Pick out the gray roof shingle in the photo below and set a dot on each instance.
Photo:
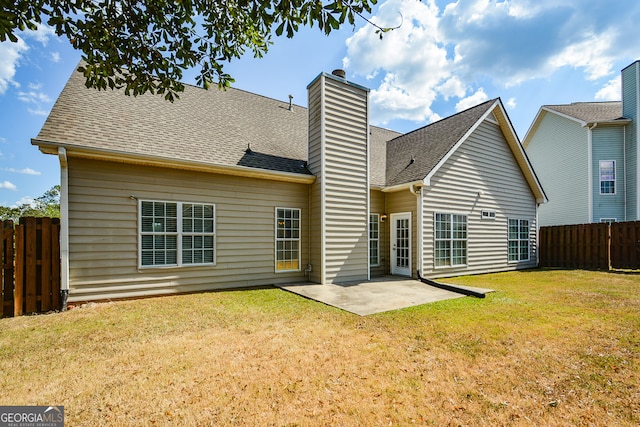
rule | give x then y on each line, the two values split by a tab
209	127
591	112
412	156
233	128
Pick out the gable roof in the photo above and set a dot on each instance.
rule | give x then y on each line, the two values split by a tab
232	129
241	133
590	112
411	157
583	113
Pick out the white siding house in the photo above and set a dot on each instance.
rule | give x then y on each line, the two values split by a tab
586	156
231	189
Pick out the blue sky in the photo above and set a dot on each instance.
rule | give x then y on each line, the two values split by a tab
446	56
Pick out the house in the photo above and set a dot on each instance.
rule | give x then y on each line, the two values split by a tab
228	189
586	157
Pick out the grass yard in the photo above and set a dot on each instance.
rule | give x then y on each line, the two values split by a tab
552	348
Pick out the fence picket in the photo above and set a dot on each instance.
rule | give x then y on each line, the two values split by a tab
7	272
591	246
30	254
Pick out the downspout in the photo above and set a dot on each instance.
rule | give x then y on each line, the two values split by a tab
64	228
417	191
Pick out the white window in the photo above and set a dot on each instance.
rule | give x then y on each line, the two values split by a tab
287	239
450	239
518	240
374	240
176	233
607	177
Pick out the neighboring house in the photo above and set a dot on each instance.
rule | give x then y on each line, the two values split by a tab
586	157
225	189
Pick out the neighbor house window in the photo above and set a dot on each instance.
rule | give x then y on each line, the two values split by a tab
607	177
374	240
287	239
450	239
518	240
176	233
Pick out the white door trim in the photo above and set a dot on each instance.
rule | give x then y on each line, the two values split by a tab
401	261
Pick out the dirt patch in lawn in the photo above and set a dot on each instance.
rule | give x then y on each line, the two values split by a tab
550	348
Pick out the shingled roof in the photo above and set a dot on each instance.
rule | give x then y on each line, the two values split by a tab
412	156
205	127
231	128
591	112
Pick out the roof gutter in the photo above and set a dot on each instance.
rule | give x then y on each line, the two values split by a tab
404	186
48	147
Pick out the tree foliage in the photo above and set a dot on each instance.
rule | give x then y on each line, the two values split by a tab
47	205
145	45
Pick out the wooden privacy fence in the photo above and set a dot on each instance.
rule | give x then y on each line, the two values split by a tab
30	281
598	246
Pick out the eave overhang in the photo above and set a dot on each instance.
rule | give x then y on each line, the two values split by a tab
49	147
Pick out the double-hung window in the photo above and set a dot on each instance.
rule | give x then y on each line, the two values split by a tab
518	240
287	239
450	239
374	240
607	177
176	234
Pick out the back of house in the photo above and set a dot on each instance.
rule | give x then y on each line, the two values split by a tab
228	189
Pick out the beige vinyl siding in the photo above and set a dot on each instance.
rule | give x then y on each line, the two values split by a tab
338	137
377	206
315	166
401	202
559	153
103	233
482	164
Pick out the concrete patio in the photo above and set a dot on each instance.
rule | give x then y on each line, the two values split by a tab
377	295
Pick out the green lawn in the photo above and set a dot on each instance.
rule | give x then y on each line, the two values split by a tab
553	348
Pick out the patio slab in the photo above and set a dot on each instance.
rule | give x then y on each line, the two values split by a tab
375	296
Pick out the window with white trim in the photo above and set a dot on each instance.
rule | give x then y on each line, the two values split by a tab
518	240
176	234
287	239
607	177
374	240
450	240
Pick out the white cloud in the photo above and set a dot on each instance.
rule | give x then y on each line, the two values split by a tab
38	111
33	97
11	53
472	100
3	139
443	53
9	56
55	57
42	33
511	103
8	185
25	200
612	91
26	171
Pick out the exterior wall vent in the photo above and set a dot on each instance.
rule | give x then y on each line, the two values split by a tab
488	214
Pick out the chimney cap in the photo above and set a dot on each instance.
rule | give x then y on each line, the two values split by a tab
339	73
